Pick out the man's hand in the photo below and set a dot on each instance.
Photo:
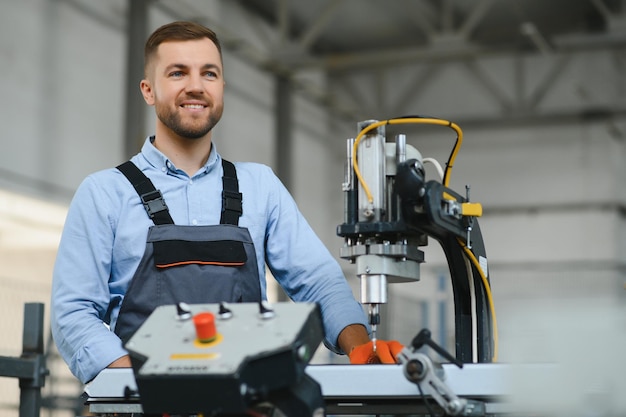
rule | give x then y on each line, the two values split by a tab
355	341
386	352
352	336
122	362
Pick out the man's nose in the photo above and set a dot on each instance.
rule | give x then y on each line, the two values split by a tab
194	83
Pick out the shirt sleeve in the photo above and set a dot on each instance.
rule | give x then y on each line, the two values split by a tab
305	269
80	299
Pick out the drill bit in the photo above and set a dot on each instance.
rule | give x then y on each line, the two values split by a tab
374	319
374	337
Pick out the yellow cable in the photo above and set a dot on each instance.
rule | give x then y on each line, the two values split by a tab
492	309
414	120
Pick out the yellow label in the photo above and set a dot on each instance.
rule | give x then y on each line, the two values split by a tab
194	356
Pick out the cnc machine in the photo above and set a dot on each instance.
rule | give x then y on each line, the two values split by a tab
391	210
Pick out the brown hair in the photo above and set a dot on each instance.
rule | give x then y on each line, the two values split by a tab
177	31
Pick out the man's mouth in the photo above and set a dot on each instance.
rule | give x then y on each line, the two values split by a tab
193	106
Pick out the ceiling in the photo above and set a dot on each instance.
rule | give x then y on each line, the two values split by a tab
343	37
342	34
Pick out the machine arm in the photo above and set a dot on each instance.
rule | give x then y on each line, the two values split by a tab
433	209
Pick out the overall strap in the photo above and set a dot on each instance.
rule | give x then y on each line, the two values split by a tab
151	198
231	197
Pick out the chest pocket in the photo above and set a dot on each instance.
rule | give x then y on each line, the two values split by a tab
172	253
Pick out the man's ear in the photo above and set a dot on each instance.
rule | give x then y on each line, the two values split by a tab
147	92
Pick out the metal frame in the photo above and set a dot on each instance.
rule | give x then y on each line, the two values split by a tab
352	390
30	367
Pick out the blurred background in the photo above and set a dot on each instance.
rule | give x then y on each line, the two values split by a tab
538	87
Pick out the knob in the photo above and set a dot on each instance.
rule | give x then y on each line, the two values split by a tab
265	311
183	310
205	327
224	312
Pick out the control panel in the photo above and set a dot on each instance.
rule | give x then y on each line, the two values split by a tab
227	358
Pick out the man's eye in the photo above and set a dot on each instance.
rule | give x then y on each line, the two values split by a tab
210	74
176	74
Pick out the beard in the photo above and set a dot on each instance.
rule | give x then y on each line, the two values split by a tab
192	129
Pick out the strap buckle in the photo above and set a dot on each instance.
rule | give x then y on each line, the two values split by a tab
153	202
232	201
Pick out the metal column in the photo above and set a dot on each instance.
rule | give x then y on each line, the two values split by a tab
284	129
284	139
134	106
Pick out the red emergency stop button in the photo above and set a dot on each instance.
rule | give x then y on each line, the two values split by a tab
205	327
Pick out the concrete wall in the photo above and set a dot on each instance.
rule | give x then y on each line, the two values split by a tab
62	95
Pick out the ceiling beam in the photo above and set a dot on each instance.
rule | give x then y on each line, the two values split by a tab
548	81
529	30
318	24
547	118
420	15
447	16
284	29
355	92
489	85
475	17
420	81
602	9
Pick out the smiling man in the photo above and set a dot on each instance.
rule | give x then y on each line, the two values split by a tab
179	223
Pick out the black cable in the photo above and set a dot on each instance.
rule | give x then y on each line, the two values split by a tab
426	403
448	166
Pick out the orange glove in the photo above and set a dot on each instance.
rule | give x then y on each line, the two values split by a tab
386	352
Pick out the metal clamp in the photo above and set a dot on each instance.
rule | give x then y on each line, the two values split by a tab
419	369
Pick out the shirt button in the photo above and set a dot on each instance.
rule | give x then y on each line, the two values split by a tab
164	169
194	222
190	182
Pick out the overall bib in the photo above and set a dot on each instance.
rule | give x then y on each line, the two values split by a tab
191	264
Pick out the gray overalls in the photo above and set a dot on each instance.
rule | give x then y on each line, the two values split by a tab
191	264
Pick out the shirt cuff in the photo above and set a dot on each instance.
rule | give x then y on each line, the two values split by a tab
94	357
334	324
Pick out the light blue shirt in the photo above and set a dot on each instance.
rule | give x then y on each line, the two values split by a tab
104	239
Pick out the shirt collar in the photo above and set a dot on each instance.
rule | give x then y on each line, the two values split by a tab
158	160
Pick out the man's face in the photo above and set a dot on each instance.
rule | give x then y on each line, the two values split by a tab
185	84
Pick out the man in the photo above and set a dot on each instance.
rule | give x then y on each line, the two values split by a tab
121	255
